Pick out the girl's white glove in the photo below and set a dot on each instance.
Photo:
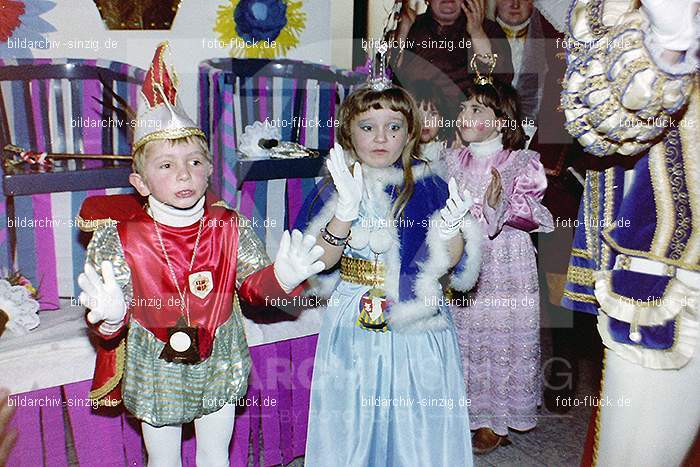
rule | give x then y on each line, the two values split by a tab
103	296
672	23
297	259
456	208
349	186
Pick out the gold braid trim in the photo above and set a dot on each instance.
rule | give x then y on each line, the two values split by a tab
579	275
602	112
647	255
580	297
594	17
609	175
596	436
168	133
580	253
98	394
222	204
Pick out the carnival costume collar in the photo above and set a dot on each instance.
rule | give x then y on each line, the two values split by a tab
174	217
392	175
514	32
485	148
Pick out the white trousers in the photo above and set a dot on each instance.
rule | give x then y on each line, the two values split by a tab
653	415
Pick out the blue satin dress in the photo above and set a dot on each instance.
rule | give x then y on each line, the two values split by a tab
385	398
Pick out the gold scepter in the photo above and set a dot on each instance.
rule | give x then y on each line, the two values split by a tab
34	158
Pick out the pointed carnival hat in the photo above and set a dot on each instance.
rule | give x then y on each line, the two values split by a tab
160	113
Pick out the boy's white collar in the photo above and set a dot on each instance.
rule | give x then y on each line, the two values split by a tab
175	217
485	148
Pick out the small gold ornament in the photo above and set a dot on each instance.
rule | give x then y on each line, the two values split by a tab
490	59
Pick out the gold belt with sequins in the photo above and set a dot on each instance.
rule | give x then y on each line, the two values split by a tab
362	271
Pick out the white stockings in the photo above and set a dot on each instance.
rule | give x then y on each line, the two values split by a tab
213	434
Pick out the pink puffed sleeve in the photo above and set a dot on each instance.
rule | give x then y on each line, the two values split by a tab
522	208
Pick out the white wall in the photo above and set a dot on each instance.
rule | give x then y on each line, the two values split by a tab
324	40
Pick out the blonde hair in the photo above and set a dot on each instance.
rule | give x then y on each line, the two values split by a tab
398	100
140	155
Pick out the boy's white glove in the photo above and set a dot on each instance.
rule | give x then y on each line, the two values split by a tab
103	296
349	186
297	259
672	25
456	208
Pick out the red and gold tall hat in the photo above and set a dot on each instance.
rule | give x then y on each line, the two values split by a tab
160	114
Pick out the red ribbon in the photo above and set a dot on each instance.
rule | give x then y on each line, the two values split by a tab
35	158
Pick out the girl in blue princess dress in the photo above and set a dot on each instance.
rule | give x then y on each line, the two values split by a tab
387	385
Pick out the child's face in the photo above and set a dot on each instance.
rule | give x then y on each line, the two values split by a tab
175	174
379	136
477	122
430	119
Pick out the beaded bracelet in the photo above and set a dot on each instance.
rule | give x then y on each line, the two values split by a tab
332	239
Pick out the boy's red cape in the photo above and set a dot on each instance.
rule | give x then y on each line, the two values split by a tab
97	211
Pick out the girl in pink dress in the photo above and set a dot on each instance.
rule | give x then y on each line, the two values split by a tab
498	321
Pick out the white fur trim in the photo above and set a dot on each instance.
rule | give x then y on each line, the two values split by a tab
473	238
359	239
421	313
323	217
392	175
392	257
677	297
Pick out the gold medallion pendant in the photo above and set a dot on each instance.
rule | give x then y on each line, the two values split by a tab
373	304
182	345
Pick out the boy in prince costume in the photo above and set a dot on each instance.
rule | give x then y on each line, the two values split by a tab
188	358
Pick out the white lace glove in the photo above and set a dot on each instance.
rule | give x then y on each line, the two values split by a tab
671	24
456	208
349	186
103	296
297	259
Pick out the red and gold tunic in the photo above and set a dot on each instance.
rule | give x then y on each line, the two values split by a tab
229	255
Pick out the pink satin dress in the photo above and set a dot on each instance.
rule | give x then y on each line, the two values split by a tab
497	323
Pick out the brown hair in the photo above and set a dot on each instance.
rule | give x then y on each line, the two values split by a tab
425	91
141	153
503	99
398	100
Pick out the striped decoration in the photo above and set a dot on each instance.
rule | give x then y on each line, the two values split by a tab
290	102
44	114
277	402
